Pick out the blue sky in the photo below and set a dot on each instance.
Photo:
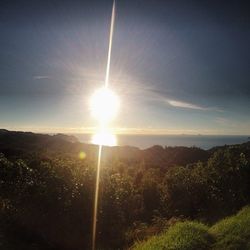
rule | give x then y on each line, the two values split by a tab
178	66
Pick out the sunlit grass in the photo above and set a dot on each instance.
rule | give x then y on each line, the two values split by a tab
181	236
232	233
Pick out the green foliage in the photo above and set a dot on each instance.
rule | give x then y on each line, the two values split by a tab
233	233
47	192
37	200
209	190
150	188
228	180
116	208
142	231
186	191
182	236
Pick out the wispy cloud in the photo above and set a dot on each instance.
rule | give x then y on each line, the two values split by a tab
180	104
41	77
166	97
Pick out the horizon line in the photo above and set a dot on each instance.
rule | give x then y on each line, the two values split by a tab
121	131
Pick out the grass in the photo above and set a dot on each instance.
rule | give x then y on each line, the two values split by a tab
232	233
186	235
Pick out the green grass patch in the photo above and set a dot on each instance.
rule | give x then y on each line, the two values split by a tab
186	235
232	233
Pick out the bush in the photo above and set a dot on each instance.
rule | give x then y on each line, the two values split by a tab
181	236
233	233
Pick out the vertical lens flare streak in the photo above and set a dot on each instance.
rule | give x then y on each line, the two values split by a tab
100	145
110	45
96	195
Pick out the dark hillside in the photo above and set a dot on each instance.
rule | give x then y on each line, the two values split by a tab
47	191
14	143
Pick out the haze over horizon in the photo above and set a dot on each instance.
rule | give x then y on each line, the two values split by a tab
178	67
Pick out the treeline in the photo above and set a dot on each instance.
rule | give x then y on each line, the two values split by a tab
46	201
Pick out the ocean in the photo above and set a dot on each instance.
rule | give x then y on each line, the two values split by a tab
146	141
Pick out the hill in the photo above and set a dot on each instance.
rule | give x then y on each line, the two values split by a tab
13	143
232	233
47	192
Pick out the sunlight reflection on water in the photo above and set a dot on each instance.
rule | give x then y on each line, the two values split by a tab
104	138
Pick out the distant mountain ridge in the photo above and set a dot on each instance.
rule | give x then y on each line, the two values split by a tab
16	143
2	131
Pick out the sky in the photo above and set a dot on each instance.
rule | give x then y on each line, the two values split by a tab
179	67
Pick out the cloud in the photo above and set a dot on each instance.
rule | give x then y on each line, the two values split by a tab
165	96
41	77
186	105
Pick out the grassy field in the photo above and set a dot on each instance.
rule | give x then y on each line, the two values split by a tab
232	233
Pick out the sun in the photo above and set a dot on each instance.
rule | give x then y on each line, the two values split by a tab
104	105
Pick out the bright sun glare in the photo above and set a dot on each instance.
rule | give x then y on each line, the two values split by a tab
104	105
104	138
